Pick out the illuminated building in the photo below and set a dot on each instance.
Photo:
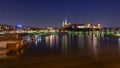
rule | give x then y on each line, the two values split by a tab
83	26
98	25
87	26
65	23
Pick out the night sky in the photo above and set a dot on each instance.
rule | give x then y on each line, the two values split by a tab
41	13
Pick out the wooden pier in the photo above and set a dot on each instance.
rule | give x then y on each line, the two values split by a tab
10	42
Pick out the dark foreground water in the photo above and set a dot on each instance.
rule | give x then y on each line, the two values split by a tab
66	51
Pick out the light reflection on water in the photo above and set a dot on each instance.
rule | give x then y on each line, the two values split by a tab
71	43
93	44
53	45
119	43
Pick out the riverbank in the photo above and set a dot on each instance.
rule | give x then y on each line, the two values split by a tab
113	35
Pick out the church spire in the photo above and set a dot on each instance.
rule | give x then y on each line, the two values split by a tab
65	22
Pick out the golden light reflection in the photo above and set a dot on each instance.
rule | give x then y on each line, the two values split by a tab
95	45
81	42
57	40
47	39
65	44
52	41
90	43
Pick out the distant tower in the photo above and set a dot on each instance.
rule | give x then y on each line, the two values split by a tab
65	22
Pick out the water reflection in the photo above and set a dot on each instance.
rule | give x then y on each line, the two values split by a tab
64	43
46	48
52	41
74	43
34	39
95	45
119	43
57	41
47	40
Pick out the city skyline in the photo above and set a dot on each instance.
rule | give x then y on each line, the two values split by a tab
52	13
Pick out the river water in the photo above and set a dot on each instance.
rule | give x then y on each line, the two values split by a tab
66	51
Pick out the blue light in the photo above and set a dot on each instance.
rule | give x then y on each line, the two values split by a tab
20	26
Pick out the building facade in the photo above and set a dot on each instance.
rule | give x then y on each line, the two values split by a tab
88	26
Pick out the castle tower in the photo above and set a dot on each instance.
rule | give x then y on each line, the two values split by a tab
65	22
